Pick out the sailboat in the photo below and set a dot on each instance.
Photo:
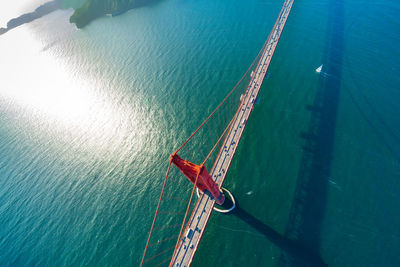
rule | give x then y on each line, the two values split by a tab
318	70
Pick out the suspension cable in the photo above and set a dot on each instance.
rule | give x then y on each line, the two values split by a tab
155	215
190	137
187	210
226	97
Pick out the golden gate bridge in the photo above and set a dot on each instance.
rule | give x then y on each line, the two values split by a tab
175	235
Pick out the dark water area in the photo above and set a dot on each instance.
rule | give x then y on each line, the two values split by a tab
309	203
298	252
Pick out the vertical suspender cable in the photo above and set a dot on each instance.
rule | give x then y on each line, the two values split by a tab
155	215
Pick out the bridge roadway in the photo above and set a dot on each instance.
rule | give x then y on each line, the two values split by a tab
198	221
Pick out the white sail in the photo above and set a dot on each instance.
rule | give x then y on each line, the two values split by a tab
319	68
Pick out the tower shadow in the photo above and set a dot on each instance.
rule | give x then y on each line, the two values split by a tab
308	207
291	248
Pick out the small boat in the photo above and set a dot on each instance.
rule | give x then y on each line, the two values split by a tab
318	70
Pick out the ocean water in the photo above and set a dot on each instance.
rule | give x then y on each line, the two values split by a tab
89	117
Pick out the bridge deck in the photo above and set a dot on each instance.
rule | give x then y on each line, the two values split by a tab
198	221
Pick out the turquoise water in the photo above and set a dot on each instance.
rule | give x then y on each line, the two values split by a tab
89	117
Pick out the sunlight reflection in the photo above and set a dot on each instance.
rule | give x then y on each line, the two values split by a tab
71	106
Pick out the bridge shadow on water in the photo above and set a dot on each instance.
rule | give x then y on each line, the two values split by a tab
291	248
308	207
300	245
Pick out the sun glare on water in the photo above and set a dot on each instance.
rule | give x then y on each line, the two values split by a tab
54	95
